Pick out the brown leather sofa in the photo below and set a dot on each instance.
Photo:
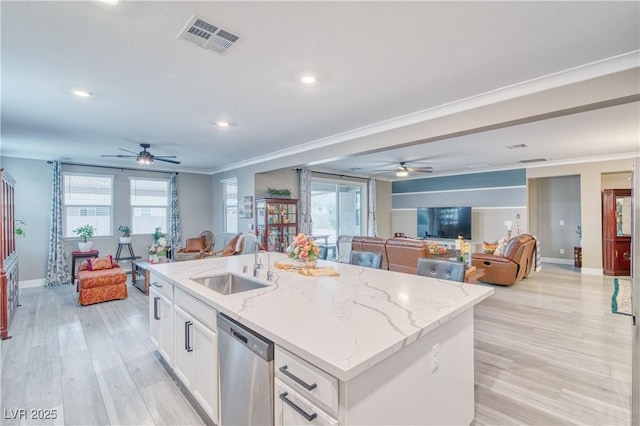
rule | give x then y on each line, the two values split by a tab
373	245
403	254
398	254
514	265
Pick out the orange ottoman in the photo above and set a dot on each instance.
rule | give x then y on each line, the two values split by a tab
101	285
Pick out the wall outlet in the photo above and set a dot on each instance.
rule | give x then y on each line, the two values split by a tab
435	357
561	251
561	222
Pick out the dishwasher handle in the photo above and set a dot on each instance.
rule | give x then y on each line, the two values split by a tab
239	336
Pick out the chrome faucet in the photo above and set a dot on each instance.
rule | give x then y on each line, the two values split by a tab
259	265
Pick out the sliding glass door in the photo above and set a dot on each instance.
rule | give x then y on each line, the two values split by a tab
337	209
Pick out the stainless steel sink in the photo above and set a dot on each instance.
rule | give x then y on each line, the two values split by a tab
229	283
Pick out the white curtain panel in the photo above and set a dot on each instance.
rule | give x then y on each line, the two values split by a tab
304	203
372	225
175	227
57	267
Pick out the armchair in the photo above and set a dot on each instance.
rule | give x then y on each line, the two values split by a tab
514	265
197	248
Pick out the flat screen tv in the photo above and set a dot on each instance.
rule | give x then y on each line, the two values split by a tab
444	222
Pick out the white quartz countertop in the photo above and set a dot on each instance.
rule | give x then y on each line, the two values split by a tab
344	324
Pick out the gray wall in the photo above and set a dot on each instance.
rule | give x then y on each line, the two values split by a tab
558	207
33	204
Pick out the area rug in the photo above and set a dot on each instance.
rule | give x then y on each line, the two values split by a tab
621	299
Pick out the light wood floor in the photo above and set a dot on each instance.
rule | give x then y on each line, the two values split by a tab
548	352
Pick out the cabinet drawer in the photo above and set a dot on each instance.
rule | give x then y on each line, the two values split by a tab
292	409
161	285
307	380
201	311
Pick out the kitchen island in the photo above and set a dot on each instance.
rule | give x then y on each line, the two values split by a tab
392	348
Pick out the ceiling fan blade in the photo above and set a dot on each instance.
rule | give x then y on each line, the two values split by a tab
120	156
165	156
166	161
126	150
421	169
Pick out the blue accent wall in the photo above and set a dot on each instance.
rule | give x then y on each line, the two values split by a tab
501	189
471	181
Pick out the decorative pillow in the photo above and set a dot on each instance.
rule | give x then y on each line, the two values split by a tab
100	263
489	248
502	244
194	245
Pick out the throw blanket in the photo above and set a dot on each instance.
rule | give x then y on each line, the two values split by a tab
537	256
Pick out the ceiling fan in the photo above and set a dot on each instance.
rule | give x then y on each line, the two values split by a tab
402	170
144	157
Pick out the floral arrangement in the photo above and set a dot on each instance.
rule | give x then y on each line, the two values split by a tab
159	247
303	248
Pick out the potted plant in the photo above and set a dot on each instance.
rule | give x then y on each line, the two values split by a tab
85	232
126	234
279	193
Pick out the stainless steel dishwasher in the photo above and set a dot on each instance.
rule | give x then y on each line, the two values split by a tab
246	375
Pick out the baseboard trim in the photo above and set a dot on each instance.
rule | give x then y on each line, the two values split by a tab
557	260
40	282
592	271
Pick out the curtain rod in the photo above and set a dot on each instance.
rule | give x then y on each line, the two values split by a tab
335	174
112	167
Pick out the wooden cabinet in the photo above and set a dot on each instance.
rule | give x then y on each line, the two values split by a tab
9	273
276	223
616	231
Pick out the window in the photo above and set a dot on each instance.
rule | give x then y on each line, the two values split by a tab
230	194
337	208
149	205
88	200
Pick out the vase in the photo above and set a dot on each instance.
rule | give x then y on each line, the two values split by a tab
153	257
84	247
304	264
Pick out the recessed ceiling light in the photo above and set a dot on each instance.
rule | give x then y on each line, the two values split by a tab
223	123
308	79
82	93
110	2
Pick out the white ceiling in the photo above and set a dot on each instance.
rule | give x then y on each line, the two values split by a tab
466	77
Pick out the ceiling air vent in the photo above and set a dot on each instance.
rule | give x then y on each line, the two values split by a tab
532	160
207	35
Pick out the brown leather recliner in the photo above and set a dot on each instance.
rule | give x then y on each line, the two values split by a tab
512	267
373	245
403	254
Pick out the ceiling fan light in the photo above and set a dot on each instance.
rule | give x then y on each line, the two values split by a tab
402	173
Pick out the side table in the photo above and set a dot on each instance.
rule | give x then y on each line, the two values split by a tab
140	268
472	277
77	254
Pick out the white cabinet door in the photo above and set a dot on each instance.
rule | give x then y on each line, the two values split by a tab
161	324
196	360
205	379
293	409
184	361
